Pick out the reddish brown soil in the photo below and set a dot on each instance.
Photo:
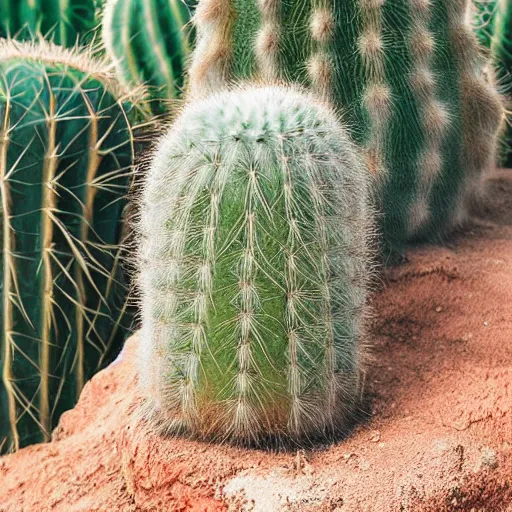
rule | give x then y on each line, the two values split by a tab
439	437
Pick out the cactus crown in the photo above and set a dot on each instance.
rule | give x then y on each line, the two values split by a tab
52	54
254	262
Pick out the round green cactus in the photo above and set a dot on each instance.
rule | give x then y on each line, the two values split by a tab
66	155
254	264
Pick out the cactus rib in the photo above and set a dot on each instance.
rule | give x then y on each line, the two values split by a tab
149	42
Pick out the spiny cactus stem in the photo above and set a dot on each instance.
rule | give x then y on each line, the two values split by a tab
434	114
268	39
86	221
209	68
49	205
9	293
126	35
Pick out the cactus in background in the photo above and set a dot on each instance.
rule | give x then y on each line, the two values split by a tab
501	45
501	51
254	262
407	74
149	42
66	155
485	14
63	23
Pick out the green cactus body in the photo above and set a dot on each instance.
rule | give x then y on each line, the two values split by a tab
501	51
484	17
65	165
401	71
149	42
62	22
254	263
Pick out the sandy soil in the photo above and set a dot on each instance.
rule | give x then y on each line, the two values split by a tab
438	435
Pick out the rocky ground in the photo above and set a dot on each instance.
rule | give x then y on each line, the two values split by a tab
437	435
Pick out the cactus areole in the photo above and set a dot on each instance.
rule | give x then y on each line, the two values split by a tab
66	156
254	263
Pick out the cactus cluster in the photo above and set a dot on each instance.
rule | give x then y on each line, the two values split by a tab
407	74
259	206
66	155
254	257
149	42
62	22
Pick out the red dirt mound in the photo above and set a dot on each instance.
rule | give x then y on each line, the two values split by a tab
439	437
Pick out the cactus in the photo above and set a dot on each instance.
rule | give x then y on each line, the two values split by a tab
254	262
406	73
62	22
149	42
484	20
501	51
66	153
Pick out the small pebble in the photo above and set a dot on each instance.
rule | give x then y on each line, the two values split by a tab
375	436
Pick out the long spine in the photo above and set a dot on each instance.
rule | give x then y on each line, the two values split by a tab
48	209
8	274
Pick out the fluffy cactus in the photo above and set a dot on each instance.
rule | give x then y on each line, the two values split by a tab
149	42
65	164
254	262
406	73
63	22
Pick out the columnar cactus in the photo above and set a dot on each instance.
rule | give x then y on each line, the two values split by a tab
63	22
149	41
501	51
66	157
254	262
406	73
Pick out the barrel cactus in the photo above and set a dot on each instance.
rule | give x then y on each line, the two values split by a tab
149	42
408	75
62	22
66	154
254	262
